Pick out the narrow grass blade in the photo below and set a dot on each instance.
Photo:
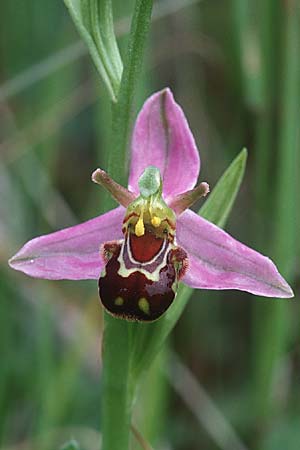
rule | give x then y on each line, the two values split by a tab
202	406
273	325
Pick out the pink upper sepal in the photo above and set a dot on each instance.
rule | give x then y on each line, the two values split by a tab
218	261
72	253
162	138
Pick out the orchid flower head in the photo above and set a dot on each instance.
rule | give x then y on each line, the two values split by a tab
152	240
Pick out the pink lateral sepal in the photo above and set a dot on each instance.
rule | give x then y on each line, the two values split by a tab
72	253
218	261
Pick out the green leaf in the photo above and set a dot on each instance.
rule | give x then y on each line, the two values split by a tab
149	338
94	22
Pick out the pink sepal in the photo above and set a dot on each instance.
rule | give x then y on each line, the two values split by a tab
218	261
72	253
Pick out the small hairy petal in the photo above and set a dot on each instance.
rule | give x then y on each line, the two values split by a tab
72	253
162	138
218	261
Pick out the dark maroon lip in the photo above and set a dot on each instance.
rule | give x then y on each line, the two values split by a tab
146	286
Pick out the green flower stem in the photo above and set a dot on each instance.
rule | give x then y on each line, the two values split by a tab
118	386
121	119
117	389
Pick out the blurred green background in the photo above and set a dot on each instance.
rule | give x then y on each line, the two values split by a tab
232	380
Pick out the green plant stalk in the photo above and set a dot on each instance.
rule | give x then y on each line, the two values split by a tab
276	331
117	387
117	384
152	400
121	113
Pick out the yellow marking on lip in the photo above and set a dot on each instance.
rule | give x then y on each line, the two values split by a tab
139	227
156	221
144	305
119	301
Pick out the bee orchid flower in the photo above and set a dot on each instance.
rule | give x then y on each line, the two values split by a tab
141	249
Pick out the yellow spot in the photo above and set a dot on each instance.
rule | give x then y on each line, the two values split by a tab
144	305
139	227
119	301
156	221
